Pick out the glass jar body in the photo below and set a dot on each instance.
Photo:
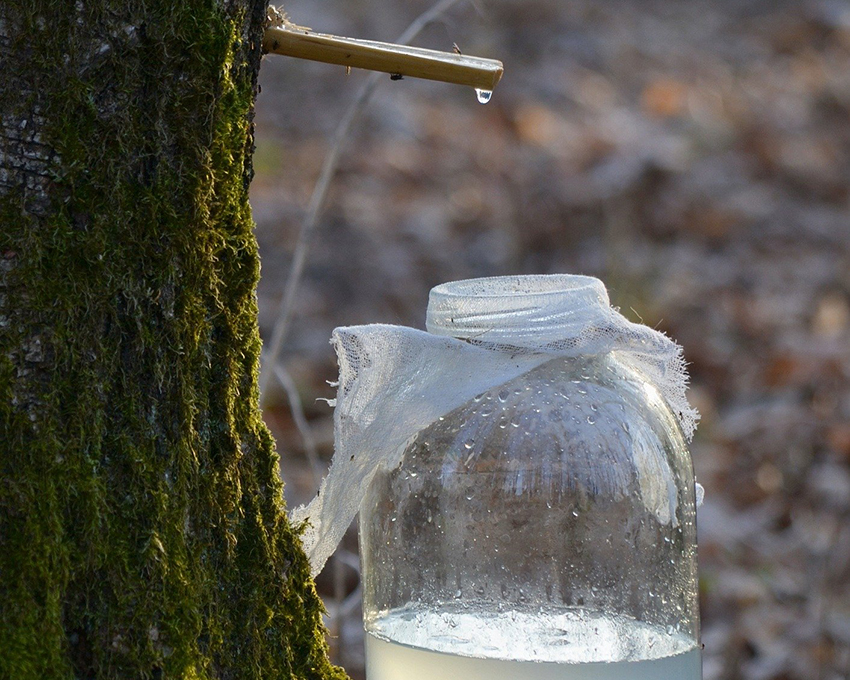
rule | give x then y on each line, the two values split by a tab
550	520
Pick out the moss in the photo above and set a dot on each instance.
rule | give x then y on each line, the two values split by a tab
142	528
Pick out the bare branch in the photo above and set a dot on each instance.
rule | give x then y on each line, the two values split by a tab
317	200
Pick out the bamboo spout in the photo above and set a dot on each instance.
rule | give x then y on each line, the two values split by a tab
398	60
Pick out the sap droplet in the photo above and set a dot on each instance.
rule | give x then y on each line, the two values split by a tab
483	95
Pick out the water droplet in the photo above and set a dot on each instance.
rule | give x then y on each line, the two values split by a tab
503	395
468	444
591	420
483	95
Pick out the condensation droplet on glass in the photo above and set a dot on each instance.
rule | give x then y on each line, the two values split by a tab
503	395
483	95
591	420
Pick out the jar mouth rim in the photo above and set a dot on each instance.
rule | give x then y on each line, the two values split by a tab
519	285
529	311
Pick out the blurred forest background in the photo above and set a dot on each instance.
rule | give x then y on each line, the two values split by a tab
693	155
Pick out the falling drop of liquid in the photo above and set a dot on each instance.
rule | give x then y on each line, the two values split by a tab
483	95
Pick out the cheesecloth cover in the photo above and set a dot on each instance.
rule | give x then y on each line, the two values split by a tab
395	381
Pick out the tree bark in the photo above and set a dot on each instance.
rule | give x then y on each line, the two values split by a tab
142	527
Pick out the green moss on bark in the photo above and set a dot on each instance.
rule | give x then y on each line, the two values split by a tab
142	528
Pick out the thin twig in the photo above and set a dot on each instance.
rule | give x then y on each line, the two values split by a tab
296	271
317	200
337	628
297	408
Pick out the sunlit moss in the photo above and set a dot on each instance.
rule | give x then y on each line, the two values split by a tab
142	528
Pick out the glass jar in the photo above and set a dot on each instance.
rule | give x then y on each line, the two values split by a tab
543	529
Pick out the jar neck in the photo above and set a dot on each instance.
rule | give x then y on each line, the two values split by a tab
518	311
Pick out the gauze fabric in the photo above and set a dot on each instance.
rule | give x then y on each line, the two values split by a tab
395	381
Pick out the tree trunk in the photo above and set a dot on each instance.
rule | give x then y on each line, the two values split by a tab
142	527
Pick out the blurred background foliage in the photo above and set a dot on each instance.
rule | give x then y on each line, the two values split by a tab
693	155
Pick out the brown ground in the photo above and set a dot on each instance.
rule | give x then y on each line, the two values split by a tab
696	157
